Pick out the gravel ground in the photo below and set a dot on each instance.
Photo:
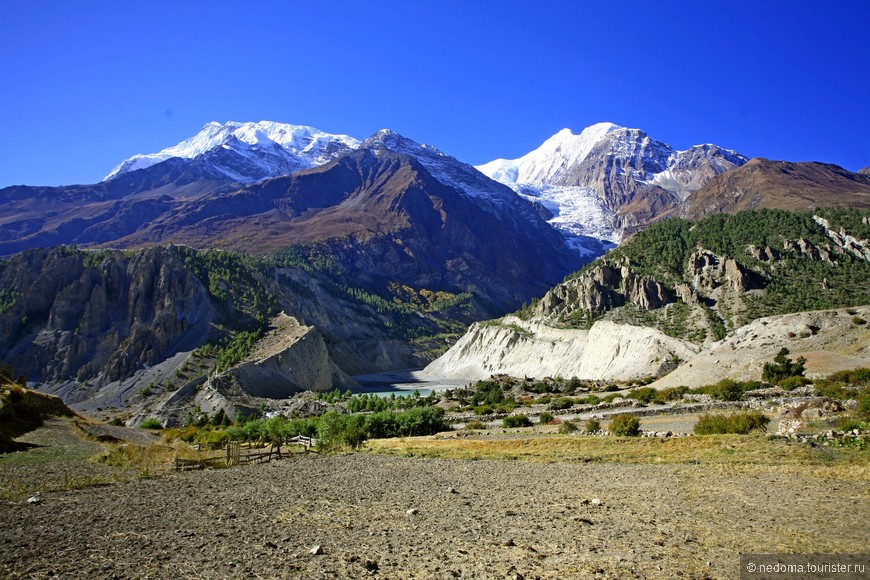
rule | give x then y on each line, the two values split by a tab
396	517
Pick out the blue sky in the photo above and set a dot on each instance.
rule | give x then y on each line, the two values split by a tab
87	84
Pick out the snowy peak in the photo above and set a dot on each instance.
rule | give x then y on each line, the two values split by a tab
267	148
609	179
552	159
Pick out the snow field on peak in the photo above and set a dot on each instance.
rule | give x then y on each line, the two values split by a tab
555	156
306	143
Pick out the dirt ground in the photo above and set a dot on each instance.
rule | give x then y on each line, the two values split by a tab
410	517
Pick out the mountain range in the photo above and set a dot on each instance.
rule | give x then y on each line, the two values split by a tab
378	252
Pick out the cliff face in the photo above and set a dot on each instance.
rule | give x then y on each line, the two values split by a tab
110	329
606	286
607	351
289	359
98	315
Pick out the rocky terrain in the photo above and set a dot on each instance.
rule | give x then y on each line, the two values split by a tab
358	515
142	331
830	340
71	316
664	301
607	351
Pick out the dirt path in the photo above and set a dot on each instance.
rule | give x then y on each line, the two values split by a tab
501	519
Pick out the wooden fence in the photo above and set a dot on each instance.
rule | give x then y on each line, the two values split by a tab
238	453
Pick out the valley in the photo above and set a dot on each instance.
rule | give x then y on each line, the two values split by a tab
605	358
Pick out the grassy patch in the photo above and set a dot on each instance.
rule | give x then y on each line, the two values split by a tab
751	451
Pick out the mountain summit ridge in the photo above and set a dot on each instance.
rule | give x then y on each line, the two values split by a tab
285	148
609	179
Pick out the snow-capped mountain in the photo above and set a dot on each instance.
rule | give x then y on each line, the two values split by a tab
609	179
249	152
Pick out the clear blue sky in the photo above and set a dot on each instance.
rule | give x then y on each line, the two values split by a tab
87	84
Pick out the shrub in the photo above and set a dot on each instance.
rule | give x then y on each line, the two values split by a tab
644	394
739	423
728	390
474	425
848	423
380	425
590	400
545	418
792	383
483	410
864	404
783	367
560	403
567	427
420	421
592	425
625	426
512	421
672	394
335	431
211	439
151	423
859	377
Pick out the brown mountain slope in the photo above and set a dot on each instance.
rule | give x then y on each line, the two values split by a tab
762	183
385	218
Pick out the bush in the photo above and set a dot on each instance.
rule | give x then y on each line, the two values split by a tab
590	400
151	423
739	423
858	377
593	425
471	425
848	423
560	403
728	390
792	383
513	421
567	427
420	421
864	405
545	418
625	426
783	367
645	395
673	394
335	432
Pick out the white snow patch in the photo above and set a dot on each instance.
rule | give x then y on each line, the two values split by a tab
305	143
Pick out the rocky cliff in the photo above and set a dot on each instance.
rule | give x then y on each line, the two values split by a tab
607	351
98	316
290	358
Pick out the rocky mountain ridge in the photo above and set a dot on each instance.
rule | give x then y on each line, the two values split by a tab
248	152
626	178
762	183
163	327
667	285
